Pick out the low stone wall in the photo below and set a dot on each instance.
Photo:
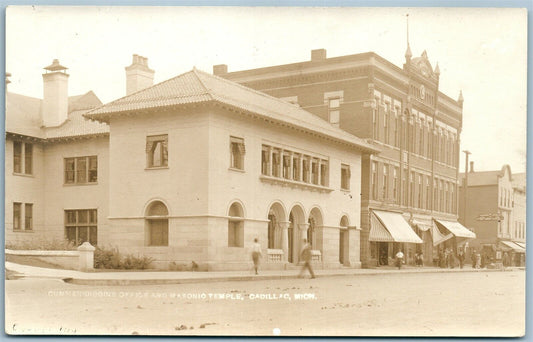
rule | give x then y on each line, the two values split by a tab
64	259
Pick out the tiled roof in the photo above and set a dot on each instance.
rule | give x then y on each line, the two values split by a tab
23	116
75	126
196	87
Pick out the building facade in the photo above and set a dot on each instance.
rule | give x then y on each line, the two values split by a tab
494	205
401	110
188	170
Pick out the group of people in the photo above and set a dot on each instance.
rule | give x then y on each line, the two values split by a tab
305	256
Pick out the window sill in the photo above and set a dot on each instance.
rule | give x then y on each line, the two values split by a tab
23	231
79	184
294	184
30	175
157	168
236	170
347	191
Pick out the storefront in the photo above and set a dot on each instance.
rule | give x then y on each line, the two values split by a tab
389	233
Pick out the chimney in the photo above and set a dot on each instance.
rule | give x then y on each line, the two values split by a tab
318	55
472	166
220	69
55	95
138	75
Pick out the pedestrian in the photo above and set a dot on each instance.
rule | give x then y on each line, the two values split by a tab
478	260
256	254
473	258
420	259
305	255
505	259
461	257
399	259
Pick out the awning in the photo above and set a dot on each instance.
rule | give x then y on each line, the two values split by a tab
423	226
521	244
387	226
456	229
438	237
513	246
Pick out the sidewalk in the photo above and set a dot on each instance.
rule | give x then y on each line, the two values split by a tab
164	277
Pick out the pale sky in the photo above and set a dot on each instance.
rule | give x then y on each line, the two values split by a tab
482	52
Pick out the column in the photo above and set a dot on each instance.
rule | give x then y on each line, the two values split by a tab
291	172
285	239
270	161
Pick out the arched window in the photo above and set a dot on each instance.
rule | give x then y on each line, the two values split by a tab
157	224
236	226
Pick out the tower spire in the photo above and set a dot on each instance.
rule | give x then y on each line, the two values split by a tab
408	53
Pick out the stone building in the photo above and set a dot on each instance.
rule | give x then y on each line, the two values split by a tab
412	183
190	169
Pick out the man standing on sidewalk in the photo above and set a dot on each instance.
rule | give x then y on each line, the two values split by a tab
306	257
256	254
399	259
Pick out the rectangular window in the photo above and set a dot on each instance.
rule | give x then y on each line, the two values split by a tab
17	208
419	192
374	180
17	157
405	190
412	189
81	226
28	158
28	216
334	112
345	177
385	182
296	168
323	173
395	192
306	170
314	172
286	166
428	194
276	163
81	170
265	161
157	150
237	151
386	127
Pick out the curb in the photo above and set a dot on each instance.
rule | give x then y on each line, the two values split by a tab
125	282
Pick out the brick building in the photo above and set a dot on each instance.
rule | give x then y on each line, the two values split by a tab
401	110
495	208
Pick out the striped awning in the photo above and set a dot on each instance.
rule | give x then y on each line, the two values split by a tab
456	229
511	245
521	244
387	226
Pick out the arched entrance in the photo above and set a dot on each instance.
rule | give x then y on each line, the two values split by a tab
314	232
236	225
296	224
343	240
156	224
276	215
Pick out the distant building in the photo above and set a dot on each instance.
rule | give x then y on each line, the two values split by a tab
191	169
411	186
495	208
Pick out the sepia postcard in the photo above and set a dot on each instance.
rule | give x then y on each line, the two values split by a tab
265	171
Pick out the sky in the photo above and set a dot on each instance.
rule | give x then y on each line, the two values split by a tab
480	51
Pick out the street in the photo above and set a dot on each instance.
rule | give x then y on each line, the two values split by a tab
395	304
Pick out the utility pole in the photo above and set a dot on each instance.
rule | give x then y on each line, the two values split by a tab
465	185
